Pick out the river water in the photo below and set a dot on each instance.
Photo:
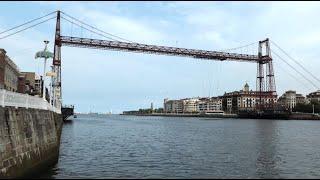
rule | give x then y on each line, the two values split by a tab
116	146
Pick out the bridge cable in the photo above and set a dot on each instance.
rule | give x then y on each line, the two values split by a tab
27	22
296	62
292	76
27	28
238	47
96	28
82	27
295	69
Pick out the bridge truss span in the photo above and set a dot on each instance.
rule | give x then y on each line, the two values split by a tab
154	49
265	80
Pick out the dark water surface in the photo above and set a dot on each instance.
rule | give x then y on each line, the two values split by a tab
115	146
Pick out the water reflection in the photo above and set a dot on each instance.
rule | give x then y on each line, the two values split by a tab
268	158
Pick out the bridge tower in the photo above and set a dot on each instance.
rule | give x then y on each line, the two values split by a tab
266	87
57	63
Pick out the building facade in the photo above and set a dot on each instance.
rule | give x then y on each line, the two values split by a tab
38	84
30	78
290	99
314	96
190	105
193	105
173	106
210	105
300	99
9	73
245	100
232	102
21	84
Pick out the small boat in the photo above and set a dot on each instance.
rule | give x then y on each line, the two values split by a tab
75	116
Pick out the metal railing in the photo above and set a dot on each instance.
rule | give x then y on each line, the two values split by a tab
13	99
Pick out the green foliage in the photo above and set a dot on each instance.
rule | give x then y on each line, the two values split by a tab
144	111
159	110
307	108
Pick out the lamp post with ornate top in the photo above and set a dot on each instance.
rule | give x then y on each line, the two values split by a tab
44	54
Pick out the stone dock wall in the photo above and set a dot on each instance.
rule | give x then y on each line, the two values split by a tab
29	140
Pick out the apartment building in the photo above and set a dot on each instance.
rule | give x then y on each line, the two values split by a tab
314	96
290	99
210	105
173	106
244	99
231	102
190	105
193	105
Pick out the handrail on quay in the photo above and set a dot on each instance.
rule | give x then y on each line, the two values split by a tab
13	99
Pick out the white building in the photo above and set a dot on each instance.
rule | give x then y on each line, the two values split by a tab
290	99
190	105
193	105
210	105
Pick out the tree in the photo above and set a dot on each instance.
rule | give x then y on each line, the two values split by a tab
307	108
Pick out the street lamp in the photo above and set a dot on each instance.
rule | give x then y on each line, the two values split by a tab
44	71
312	108
44	54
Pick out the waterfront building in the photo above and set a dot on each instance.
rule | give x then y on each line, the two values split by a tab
187	105
290	99
193	105
231	102
173	106
300	99
314	96
210	105
190	105
12	79
244	99
9	72
203	104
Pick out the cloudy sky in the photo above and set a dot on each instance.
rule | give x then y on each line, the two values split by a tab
114	81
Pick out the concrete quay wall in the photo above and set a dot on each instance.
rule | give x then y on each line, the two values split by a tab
29	140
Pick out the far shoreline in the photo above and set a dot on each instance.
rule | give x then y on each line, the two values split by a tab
294	116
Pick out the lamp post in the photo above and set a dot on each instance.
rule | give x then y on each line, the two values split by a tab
51	88
44	54
312	108
44	71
